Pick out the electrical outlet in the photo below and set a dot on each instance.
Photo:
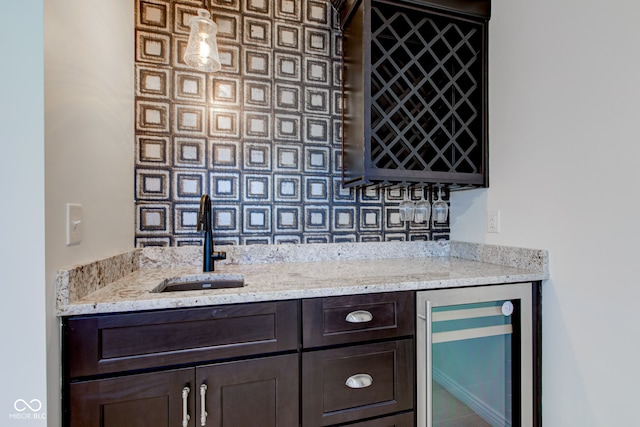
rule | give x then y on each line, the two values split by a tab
74	224
493	221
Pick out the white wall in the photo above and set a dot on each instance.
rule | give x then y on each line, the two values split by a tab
89	134
23	357
565	155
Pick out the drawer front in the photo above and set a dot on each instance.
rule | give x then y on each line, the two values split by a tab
123	342
351	383
348	319
401	420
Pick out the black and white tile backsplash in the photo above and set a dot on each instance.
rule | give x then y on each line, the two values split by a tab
262	136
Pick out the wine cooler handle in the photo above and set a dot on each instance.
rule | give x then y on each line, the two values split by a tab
185	406
203	410
428	365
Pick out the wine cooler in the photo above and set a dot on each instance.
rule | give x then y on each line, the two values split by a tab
475	357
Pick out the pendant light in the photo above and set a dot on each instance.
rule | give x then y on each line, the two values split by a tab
202	48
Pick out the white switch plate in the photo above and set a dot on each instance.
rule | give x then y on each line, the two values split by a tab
74	224
493	221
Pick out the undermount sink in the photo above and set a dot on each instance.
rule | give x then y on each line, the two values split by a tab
198	282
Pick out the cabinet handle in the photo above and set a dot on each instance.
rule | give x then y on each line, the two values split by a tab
359	316
185	407
203	411
359	381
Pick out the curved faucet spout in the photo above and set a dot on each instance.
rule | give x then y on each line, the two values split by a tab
205	223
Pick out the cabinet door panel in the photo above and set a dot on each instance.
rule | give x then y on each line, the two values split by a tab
327	399
251	393
144	400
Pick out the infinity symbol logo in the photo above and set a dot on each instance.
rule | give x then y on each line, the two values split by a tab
21	405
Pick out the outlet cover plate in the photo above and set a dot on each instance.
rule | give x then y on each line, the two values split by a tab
493	221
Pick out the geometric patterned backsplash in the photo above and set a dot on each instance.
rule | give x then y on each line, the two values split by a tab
262	136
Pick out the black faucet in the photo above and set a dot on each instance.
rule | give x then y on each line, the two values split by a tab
205	224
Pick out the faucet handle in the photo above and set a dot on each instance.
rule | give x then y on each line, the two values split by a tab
218	256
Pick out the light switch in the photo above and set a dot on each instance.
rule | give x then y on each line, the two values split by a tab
74	224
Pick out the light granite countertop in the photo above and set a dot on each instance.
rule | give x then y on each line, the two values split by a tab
126	281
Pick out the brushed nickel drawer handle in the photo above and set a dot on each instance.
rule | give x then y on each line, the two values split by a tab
359	381
185	407
359	316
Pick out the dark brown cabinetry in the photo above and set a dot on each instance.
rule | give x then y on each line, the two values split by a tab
106	355
255	392
341	359
244	365
415	91
358	359
333	361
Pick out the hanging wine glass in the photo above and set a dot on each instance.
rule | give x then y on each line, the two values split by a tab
440	208
422	211
407	207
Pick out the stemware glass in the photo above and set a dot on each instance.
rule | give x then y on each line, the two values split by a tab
440	208
407	207
422	211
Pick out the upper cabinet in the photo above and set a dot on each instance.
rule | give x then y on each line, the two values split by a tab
415	92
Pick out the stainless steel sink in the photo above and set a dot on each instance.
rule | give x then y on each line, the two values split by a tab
198	282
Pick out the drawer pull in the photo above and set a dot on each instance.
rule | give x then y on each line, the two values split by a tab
359	381
203	398
185	407
359	316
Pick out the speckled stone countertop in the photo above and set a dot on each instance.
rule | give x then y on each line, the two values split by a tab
125	282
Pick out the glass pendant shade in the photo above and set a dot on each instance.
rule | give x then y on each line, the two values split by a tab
202	49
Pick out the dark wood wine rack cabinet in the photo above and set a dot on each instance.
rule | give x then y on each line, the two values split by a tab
415	92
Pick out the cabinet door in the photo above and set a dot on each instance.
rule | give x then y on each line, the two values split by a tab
145	400
250	393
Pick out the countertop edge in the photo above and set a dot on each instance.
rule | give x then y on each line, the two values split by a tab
76	283
203	299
